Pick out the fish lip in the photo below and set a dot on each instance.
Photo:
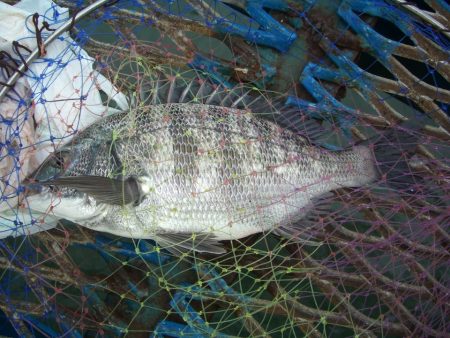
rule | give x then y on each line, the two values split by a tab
32	187
54	190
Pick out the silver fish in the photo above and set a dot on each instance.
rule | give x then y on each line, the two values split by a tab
191	174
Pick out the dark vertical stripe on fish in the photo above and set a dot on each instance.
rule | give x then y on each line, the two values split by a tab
185	149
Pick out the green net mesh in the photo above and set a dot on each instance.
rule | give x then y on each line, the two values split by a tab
375	264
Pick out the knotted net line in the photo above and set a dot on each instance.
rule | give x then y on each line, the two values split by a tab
376	266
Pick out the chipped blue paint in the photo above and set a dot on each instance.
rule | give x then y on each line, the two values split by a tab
212	68
134	289
348	74
218	285
269	71
296	22
270	32
6	326
180	303
196	326
327	107
215	70
167	328
93	299
143	249
67	328
46	330
433	34
444	4
382	47
383	10
91	295
266	75
37	323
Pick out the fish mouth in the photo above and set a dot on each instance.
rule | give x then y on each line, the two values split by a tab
34	188
55	165
75	207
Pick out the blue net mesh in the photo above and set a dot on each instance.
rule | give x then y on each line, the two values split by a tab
374	263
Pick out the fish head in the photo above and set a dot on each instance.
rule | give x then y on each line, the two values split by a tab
75	158
55	165
64	202
70	160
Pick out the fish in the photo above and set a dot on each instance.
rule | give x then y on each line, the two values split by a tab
199	164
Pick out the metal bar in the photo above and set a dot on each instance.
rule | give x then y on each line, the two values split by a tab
21	69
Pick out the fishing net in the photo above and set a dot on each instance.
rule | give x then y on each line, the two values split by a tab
373	264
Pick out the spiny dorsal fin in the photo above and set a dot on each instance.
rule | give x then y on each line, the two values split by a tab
103	189
173	89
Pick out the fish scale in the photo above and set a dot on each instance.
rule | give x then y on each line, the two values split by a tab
208	169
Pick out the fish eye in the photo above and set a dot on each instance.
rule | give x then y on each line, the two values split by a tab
59	160
53	166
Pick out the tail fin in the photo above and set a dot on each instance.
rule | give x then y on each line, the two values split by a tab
392	151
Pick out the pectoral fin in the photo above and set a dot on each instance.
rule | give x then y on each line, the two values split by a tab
103	189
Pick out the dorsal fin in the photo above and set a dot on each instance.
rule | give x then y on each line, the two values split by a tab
167	88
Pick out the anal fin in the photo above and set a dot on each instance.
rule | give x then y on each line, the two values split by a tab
180	242
302	231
